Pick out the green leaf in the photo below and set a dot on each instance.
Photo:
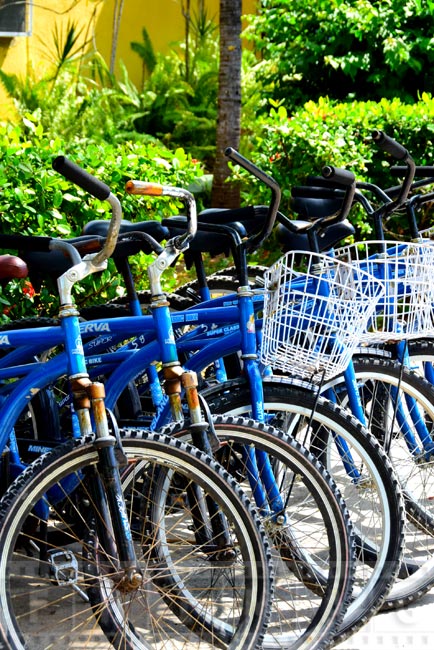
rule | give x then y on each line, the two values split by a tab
64	229
29	124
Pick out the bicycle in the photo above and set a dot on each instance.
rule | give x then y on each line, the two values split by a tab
403	425
362	449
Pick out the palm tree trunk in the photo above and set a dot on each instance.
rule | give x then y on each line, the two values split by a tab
187	18
226	194
117	15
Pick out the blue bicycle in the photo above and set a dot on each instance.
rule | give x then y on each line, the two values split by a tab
390	399
395	404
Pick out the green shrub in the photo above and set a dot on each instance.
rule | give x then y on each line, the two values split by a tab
358	49
81	98
87	102
35	200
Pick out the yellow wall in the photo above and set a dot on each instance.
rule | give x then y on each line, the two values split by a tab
21	54
162	19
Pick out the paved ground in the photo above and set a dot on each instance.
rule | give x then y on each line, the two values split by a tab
411	628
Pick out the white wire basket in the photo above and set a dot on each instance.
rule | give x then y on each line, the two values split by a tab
313	320
407	270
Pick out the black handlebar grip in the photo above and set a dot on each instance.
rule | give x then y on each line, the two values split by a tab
338	175
386	143
83	179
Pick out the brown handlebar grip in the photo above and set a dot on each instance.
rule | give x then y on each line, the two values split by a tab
147	189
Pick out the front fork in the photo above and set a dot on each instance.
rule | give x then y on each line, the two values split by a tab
88	398
211	527
261	473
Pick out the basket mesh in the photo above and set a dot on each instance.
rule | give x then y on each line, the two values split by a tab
407	270
314	320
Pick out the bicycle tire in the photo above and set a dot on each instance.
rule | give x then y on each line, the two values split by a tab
312	580
185	296
377	378
223	281
295	404
420	352
237	614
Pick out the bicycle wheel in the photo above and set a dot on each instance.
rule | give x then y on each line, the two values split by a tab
187	295
362	472
307	532
399	408
60	582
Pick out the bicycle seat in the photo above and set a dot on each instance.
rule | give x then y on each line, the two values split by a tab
328	236
307	202
12	266
152	228
210	238
252	217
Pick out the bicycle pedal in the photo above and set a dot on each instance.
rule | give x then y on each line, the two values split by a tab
64	567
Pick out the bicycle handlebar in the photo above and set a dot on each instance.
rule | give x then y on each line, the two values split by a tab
80	177
237	158
338	175
156	189
256	240
399	152
346	179
143	188
391	199
425	171
99	190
